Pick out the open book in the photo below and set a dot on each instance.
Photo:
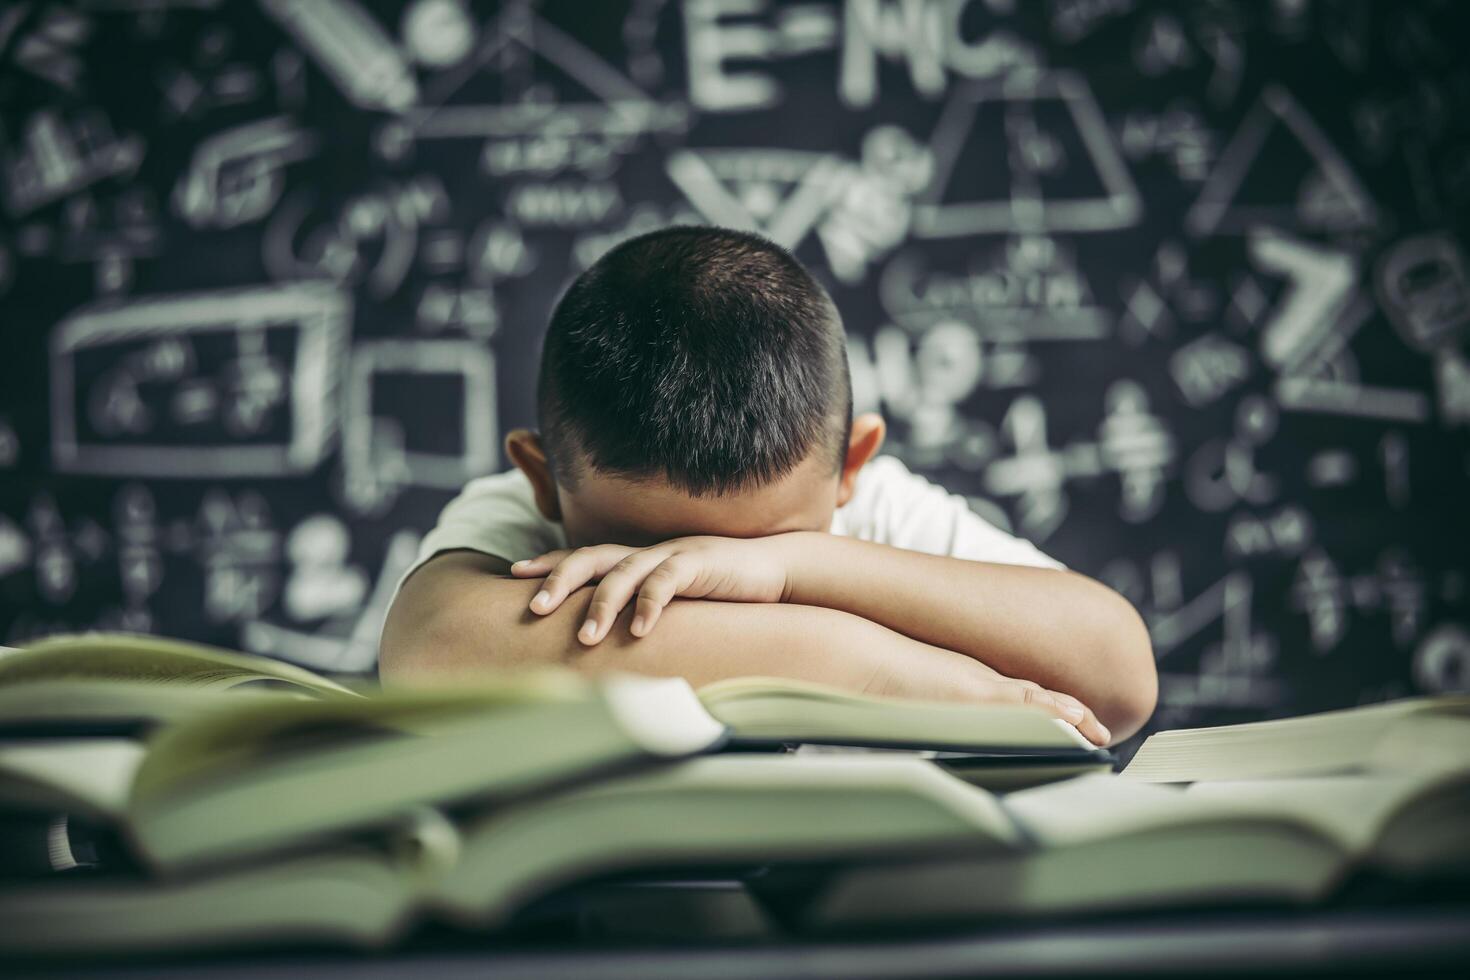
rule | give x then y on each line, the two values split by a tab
125	685
1103	843
103	656
997	746
1280	811
270	770
761	709
202	755
911	844
478	869
1410	732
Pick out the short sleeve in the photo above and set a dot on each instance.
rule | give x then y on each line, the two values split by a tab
496	515
894	506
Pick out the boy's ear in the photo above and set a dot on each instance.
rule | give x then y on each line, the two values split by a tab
524	449
868	430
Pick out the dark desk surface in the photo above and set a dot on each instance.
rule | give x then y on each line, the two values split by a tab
1421	940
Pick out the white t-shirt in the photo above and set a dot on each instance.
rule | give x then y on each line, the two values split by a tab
497	515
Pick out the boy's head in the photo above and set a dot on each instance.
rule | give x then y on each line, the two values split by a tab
694	381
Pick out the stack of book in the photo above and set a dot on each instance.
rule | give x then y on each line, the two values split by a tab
1284	812
157	795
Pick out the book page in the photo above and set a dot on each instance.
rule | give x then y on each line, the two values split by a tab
663	713
49	707
724	809
152	659
1331	741
1098	806
787	710
234	738
1347	810
1433	741
1352	809
98	772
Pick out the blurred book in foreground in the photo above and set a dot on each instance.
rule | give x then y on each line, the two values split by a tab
1284	811
1405	734
250	804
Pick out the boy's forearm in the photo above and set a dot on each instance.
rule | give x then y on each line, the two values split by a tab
459	620
1062	630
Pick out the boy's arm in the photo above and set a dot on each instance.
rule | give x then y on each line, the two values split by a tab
458	616
1059	629
1063	630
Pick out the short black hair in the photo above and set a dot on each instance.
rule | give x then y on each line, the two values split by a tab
707	356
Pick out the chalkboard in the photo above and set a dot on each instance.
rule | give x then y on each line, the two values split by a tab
1177	291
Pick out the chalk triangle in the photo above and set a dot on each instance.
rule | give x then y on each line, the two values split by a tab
527	73
1028	153
1279	169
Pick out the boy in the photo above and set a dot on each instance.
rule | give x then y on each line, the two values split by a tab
697	443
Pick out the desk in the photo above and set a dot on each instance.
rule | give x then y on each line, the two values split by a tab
1395	942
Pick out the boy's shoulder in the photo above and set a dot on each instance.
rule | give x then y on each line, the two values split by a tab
888	480
893	505
508	493
885	489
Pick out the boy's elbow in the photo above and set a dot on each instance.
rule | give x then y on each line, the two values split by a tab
1131	663
401	666
428	643
455	628
453	618
408	651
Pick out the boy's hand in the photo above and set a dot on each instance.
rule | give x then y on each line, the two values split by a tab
1064	706
699	567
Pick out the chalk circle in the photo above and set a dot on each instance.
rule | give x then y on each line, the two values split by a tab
437	33
1442	660
320	539
1423	286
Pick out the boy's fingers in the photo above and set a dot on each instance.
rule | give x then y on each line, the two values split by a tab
573	571
1075	713
530	567
1035	696
612	594
557	585
646	613
1082	718
601	611
1062	706
657	591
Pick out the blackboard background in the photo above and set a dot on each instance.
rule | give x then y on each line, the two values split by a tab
1178	291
